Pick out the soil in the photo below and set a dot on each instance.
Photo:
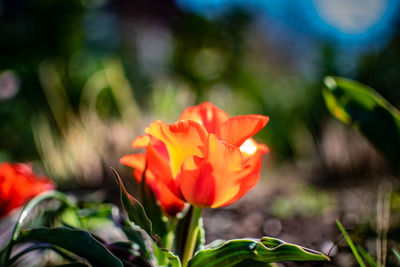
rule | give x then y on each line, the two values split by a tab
300	203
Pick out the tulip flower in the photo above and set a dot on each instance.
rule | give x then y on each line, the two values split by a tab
18	185
206	159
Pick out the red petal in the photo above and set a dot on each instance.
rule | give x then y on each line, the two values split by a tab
18	184
168	201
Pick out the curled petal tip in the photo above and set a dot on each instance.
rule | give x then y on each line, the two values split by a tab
141	141
238	129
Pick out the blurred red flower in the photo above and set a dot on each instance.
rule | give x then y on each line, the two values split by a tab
206	159
18	185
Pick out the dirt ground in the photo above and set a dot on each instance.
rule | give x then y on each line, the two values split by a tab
299	203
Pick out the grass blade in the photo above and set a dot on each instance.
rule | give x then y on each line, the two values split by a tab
351	244
397	254
371	261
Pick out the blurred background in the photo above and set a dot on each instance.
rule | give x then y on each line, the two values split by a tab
79	79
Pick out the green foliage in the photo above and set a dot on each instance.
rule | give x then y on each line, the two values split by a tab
72	240
356	104
79	242
137	214
135	211
6	252
95	215
241	251
135	234
153	209
75	264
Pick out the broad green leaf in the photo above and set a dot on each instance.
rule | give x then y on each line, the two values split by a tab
96	215
254	263
135	210
79	242
71	218
166	258
49	217
173	260
356	104
129	254
238	252
42	246
74	264
137	236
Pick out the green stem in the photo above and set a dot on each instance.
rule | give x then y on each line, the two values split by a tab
171	231
192	236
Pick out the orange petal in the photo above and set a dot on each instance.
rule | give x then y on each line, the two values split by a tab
238	129
250	175
137	162
207	114
182	139
141	141
213	180
252	157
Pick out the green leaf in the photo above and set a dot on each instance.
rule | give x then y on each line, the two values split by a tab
153	209
135	211
129	254
173	260
254	263
5	254
137	236
41	246
166	258
74	264
356	104
79	242
238	252
93	216
137	214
